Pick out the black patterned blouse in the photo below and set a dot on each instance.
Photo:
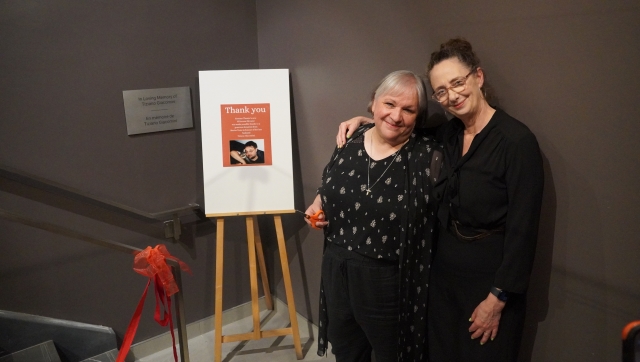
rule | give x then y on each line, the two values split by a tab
364	222
413	225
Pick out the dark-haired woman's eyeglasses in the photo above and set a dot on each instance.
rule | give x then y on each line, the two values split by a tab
458	85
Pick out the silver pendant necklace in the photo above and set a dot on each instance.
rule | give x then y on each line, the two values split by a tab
395	155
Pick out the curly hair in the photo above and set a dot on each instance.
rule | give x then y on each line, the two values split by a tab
458	48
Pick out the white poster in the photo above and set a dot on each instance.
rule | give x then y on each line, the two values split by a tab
246	142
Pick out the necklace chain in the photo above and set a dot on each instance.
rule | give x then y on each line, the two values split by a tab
395	155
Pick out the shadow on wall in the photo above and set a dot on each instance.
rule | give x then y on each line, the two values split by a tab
295	222
538	292
294	227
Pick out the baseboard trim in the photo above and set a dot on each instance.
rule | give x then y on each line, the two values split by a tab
205	325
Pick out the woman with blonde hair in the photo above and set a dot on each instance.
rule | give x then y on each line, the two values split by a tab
375	195
490	194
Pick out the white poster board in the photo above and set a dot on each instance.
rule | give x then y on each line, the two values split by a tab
246	142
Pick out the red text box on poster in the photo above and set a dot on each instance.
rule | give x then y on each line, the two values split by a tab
243	123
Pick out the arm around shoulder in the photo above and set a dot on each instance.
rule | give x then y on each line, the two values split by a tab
346	129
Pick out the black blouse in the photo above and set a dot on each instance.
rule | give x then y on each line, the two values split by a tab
366	224
420	161
496	184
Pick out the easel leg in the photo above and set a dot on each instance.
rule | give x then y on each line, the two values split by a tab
255	308
262	266
217	348
286	276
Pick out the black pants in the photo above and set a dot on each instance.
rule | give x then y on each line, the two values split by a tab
362	304
461	275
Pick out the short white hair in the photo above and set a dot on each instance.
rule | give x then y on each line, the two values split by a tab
399	80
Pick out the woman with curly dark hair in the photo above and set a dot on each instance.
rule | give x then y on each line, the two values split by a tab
490	193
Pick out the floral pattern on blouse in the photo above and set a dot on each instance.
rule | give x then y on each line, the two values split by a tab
370	217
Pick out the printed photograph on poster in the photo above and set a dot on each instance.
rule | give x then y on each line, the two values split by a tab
243	152
246	134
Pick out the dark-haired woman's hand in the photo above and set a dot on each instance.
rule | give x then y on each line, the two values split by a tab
347	128
486	319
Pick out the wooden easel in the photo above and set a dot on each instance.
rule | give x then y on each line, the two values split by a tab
255	247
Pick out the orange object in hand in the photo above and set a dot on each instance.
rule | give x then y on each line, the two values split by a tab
313	218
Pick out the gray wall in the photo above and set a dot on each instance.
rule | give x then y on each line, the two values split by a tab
337	52
565	68
63	68
568	69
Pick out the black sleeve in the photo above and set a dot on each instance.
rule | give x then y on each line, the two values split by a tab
337	151
436	165
524	181
326	168
431	132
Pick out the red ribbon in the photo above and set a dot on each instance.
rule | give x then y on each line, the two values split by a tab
151	262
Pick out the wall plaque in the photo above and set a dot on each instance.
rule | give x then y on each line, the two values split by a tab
155	110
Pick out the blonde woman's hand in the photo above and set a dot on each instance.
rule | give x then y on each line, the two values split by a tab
312	210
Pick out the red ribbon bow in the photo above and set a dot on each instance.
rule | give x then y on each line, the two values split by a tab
151	262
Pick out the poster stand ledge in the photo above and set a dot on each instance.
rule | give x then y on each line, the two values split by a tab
250	213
